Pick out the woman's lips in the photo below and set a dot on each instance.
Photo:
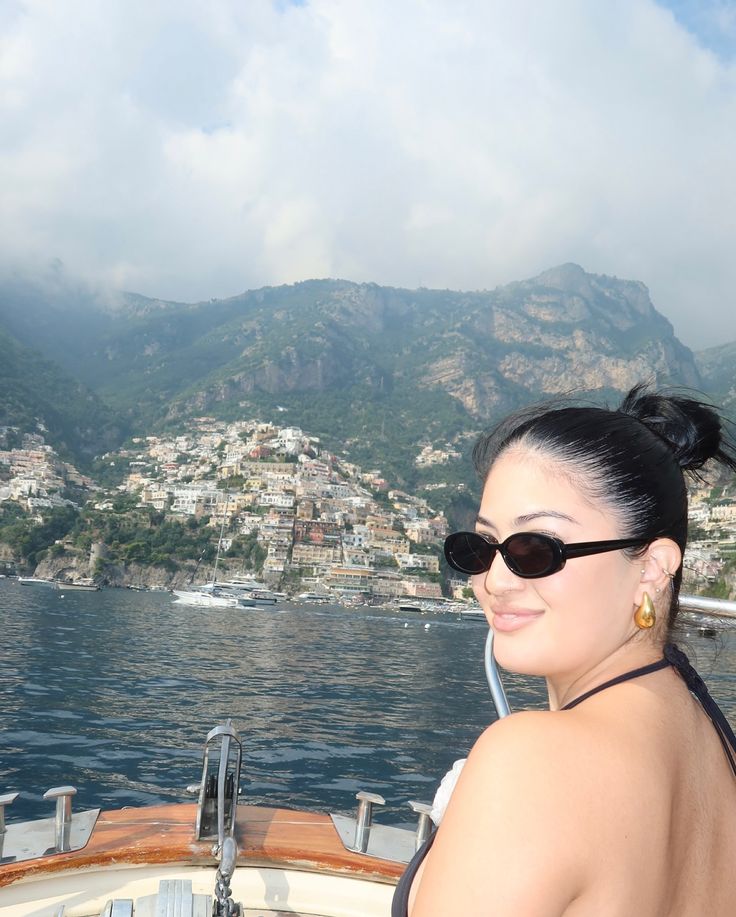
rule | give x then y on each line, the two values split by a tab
506	620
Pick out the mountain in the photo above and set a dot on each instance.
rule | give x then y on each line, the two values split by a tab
717	367
376	368
37	396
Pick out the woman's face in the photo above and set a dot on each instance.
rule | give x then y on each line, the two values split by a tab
565	623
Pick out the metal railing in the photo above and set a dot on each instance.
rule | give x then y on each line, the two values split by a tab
719	607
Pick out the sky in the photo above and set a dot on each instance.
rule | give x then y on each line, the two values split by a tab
189	149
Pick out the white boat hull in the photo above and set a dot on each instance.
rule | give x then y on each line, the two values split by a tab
263	890
82	587
204	599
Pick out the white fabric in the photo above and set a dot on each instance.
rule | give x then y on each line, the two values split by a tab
444	791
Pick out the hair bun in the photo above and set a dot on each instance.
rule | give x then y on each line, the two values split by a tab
692	429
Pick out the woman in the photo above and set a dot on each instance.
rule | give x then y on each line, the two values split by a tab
620	801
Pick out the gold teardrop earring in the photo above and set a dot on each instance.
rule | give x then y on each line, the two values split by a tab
645	616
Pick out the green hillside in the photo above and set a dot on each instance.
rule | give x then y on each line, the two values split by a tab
37	396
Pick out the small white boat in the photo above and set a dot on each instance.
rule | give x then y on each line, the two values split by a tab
194	860
37	581
315	598
79	585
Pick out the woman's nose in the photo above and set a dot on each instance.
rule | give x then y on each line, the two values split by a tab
498	578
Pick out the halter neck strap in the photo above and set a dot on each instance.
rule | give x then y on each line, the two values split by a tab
676	658
626	676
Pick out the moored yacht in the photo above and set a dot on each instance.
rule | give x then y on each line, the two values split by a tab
247	587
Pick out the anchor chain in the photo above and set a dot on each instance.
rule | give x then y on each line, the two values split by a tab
223	905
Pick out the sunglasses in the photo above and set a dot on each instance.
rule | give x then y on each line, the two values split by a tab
527	554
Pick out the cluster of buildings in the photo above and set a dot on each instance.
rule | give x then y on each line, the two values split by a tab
33	475
320	520
432	455
711	549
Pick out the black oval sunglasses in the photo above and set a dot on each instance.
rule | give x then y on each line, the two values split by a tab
527	554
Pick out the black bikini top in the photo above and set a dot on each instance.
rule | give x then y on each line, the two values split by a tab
672	656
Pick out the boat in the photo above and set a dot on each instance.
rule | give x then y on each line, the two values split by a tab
315	598
249	588
216	857
37	581
88	585
243	592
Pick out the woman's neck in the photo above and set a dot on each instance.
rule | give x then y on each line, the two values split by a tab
563	688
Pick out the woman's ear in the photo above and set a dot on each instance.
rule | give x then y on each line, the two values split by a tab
659	564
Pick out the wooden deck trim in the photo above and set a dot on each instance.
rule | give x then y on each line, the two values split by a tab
165	835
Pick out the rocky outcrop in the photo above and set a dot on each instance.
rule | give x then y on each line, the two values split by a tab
562	331
717	367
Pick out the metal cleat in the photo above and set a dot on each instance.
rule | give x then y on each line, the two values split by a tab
63	819
6	800
361	835
424	824
366	801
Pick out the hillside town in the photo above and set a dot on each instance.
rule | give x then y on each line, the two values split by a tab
322	523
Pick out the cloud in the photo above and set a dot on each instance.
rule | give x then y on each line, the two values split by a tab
193	149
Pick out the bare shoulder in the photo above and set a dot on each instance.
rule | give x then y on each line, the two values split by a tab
523	807
543	772
524	740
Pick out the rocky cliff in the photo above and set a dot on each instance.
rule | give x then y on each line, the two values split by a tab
379	367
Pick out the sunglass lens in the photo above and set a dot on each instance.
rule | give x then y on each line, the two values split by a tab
468	552
531	555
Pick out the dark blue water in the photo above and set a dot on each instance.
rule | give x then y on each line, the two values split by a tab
115	691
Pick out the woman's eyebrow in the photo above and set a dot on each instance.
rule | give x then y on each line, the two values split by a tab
530	517
542	513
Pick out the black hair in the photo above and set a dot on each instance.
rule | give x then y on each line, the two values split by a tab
632	458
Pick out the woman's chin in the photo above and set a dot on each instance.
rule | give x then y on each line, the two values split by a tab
518	656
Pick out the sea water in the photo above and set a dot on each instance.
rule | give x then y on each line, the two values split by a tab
114	693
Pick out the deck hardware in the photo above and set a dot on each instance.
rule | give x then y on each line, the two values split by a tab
366	801
424	824
120	907
218	789
63	819
224	906
5	800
